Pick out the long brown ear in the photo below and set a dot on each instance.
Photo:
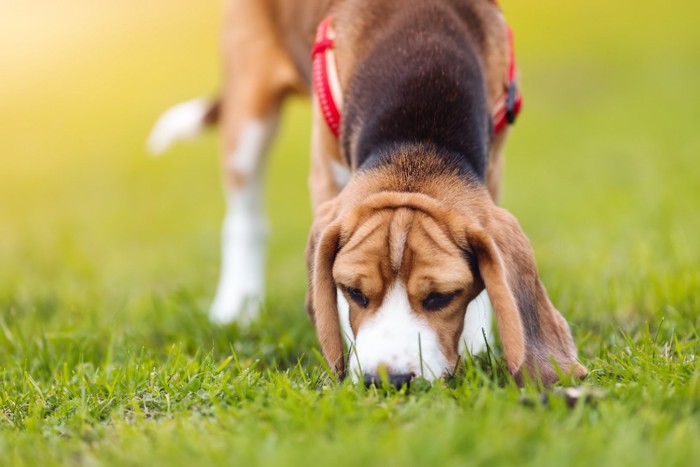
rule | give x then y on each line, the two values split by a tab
534	334
321	298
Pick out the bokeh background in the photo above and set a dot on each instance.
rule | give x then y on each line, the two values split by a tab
107	252
602	169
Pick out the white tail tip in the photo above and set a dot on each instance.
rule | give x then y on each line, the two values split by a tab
180	122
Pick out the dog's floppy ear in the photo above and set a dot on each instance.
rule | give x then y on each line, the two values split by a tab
534	334
321	295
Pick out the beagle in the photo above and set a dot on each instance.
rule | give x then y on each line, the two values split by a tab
408	251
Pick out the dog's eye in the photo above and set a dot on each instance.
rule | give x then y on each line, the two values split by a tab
437	301
358	297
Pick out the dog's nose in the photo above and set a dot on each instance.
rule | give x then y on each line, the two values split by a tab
397	380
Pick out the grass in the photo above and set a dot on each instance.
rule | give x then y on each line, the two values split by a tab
108	259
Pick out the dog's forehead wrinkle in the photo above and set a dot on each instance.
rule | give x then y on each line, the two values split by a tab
428	229
398	233
363	232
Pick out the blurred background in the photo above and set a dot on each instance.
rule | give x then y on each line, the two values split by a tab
96	238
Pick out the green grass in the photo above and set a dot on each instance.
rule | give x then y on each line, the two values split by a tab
108	259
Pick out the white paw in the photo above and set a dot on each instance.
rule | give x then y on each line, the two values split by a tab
233	304
477	323
241	287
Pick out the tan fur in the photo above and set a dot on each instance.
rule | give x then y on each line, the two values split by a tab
398	235
254	88
495	168
324	299
282	31
447	216
382	226
324	152
397	243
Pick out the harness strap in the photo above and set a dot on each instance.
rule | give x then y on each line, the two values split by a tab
510	103
325	76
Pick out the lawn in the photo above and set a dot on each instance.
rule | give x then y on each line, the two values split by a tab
108	259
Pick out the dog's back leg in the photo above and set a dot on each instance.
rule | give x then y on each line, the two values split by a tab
257	76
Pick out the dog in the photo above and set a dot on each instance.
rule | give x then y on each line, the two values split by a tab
408	251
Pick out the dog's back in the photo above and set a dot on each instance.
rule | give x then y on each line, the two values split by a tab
429	64
425	86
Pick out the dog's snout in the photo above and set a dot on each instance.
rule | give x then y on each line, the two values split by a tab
397	380
401	379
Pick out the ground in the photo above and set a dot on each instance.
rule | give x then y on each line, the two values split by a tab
109	258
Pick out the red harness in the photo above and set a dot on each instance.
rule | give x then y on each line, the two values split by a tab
323	69
327	86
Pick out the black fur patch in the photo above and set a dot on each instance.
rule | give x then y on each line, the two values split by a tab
422	83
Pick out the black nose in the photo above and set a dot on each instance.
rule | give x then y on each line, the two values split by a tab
398	380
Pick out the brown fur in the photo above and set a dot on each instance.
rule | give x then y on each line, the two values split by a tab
282	31
385	225
440	218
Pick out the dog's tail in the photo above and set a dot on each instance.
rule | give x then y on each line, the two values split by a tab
181	122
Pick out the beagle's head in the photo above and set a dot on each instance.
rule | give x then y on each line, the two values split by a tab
392	275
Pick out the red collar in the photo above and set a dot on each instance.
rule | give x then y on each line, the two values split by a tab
327	84
325	76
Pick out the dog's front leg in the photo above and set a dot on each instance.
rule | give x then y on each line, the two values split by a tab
329	174
494	169
244	235
258	74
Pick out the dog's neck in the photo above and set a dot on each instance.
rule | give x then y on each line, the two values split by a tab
412	163
423	91
416	168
